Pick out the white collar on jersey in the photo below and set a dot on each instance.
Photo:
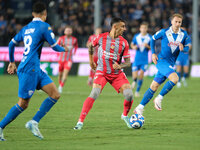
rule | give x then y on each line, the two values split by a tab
37	19
179	31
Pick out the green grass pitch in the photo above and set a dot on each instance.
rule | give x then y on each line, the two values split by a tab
177	127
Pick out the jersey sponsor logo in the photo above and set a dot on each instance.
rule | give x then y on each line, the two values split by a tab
173	44
110	55
28	31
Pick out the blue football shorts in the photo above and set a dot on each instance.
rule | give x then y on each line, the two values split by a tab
30	81
183	60
164	70
136	67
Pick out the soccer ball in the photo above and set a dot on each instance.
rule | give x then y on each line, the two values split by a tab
136	121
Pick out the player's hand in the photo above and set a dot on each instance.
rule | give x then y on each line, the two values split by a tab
11	68
146	45
66	48
154	58
181	46
116	66
134	47
93	66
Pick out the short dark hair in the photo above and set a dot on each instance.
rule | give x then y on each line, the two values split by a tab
39	7
144	23
116	20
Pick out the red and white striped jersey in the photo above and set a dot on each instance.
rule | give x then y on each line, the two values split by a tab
110	51
90	39
72	45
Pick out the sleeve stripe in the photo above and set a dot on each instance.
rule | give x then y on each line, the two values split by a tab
14	41
153	38
54	44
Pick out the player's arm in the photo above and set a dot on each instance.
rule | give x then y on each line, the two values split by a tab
91	60
11	67
75	46
187	46
134	43
50	38
18	38
155	37
126	64
134	46
147	45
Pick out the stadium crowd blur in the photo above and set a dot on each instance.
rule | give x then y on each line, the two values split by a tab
79	14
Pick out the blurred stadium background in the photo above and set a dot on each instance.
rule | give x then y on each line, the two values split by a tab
85	15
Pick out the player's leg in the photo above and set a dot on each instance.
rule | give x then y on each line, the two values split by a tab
134	75
27	86
173	79
139	83
122	85
99	83
178	70
60	74
185	74
147	96
90	78
67	68
12	114
47	85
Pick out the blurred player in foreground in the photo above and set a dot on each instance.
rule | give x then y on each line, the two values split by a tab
65	60
112	47
183	61
140	43
95	54
30	76
173	40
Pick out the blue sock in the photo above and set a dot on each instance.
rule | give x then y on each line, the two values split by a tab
185	75
179	75
139	84
147	96
44	108
167	87
12	114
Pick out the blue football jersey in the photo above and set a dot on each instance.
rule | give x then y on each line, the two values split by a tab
34	35
141	56
170	43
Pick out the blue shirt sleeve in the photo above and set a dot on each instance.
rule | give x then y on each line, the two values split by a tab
187	44
156	36
50	38
134	40
18	38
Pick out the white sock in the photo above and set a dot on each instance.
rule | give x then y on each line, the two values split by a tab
140	106
160	97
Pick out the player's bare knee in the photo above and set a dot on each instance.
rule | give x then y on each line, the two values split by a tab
23	103
55	95
154	87
128	94
95	93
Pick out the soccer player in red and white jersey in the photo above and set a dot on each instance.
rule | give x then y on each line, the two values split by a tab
112	47
65	59
95	54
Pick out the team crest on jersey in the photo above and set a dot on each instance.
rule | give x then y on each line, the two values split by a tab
112	47
30	92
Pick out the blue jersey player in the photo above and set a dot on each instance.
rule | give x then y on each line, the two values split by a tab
140	43
30	76
173	40
183	62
